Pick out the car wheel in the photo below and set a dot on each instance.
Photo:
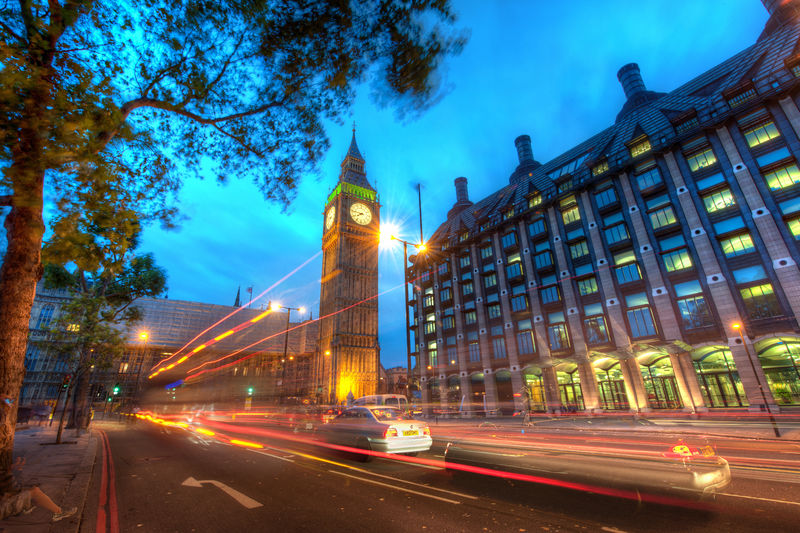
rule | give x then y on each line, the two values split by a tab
363	444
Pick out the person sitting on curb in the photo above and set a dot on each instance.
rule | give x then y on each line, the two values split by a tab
17	500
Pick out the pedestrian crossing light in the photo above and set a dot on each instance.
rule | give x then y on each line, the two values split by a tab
116	389
249	391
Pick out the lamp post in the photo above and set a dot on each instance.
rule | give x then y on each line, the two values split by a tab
143	336
275	307
421	248
740	330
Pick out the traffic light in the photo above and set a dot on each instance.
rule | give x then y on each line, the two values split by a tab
65	382
249	391
116	389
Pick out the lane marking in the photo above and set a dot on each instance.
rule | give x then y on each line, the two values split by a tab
374	482
757	498
273	456
242	499
108	491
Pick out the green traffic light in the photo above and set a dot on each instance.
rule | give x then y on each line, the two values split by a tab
250	390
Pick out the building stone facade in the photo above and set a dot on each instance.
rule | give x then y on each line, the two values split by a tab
652	266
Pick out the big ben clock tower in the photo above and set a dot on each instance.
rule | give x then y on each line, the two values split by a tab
348	359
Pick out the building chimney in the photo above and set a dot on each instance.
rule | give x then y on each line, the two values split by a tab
631	80
461	191
524	150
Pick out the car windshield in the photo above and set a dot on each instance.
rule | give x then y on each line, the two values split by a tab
389	414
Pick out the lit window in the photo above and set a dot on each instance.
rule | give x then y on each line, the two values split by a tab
677	260
639	147
467	289
463	236
428	302
782	177
571	215
430	328
534	200
493	311
490	280
508	213
702	159
741	97
794	227
470	317
587	286
448	322
760	301
761	134
579	249
719	200
796	70
663	217
737	245
600	168
640	318
692	305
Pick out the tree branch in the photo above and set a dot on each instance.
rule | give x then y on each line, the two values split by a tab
5	200
11	32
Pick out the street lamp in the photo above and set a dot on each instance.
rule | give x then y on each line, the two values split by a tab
738	327
143	336
276	307
422	248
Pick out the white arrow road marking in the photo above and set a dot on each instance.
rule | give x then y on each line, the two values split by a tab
246	501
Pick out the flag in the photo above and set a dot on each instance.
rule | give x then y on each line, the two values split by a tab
250	290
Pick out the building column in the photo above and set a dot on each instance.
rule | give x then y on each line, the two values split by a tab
461	343
634	384
750	381
686	378
490	387
792	113
552	395
591	395
466	391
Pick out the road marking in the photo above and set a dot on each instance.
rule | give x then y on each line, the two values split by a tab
273	456
757	498
395	487
612	530
245	501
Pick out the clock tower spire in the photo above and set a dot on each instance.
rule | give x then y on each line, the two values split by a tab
348	358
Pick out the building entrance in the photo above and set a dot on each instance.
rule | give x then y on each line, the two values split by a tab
611	385
717	376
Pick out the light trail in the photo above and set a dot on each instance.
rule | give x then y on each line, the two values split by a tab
261	295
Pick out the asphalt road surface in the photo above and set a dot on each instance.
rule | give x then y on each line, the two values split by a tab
168	479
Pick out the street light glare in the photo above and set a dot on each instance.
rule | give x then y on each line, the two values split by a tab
274	306
422	247
302	310
387	234
736	325
144	335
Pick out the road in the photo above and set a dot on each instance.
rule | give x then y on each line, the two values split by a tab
170	479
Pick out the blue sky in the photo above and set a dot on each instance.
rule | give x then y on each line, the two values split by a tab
546	69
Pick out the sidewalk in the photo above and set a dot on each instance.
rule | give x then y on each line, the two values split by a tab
62	471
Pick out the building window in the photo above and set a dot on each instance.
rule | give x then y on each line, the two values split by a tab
525	344
595	324
648	179
639	146
741	97
509	240
662	217
490	280
794	227
464	261
760	301
428	301
737	245
674	253
579	249
728	225
448	322
488	267
721	199
686	125
782	177
702	159
616	234
626	267
587	286
467	288
534	200
692	305
537	227
640	318
452	356
761	134
605	197
470	317
433	354
430	328
446	294
571	215
486	252
550	294
543	260
514	270
600	168
45	316
443	269
493	311
508	213
474	352
557	332
499	345
519	303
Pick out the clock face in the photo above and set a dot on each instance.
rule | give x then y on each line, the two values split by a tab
360	213
329	217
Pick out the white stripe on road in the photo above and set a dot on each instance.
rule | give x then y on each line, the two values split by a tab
471	497
273	456
395	487
757	498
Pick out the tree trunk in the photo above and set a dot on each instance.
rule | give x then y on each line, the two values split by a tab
80	409
22	264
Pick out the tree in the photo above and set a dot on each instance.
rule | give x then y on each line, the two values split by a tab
145	92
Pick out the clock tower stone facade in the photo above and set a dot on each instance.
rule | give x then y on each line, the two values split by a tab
348	359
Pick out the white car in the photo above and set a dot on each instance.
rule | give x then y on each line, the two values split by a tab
379	428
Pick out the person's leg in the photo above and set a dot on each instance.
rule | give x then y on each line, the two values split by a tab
42	500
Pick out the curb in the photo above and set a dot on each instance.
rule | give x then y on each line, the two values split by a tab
78	488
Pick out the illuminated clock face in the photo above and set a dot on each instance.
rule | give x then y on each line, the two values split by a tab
330	217
360	213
